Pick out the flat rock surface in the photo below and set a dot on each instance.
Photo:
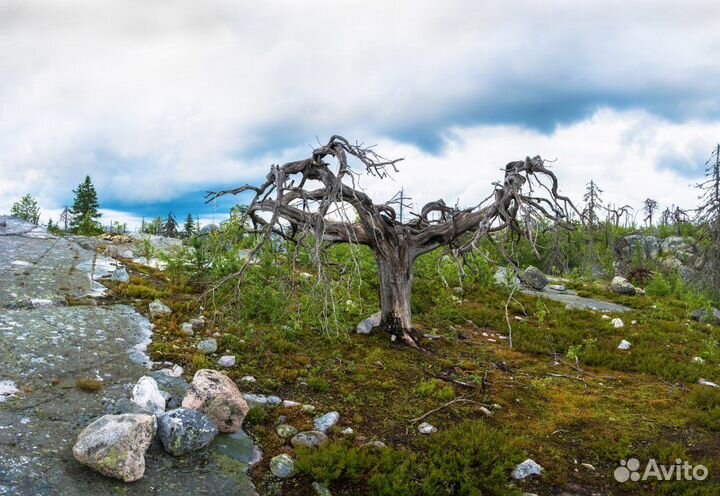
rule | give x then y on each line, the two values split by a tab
46	347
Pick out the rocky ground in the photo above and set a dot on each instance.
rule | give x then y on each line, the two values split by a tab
58	335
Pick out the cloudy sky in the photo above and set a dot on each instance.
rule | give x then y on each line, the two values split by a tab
161	100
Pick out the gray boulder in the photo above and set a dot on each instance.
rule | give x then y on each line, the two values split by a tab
707	316
115	445
215	394
367	325
282	466
327	421
158	308
285	430
309	439
121	275
526	469
622	286
534	278
207	346
647	246
678	244
184	430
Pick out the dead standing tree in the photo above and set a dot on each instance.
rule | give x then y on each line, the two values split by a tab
289	205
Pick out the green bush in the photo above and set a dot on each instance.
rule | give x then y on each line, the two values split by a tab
470	459
659	286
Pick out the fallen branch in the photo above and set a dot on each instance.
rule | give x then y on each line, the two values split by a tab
449	403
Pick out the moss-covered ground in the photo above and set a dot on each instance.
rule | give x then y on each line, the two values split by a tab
564	395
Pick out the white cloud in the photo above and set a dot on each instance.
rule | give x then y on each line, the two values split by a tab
158	98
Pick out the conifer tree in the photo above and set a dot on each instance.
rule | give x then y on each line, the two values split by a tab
170	228
189	227
85	209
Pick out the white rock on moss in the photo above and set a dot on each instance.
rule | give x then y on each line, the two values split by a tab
426	428
526	469
282	466
325	422
227	361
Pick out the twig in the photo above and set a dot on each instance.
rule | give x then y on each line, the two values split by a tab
449	403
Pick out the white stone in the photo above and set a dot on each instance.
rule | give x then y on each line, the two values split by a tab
325	422
248	378
158	308
617	323
367	325
7	390
698	360
525	469
426	428
624	345
290	404
147	395
186	329
703	382
227	361
347	431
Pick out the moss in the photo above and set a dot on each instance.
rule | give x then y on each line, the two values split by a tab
89	385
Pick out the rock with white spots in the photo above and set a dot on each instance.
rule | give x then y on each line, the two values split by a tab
183	430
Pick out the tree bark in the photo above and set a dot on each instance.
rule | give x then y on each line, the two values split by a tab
395	268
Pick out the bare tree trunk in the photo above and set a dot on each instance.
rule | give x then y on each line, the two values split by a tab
395	268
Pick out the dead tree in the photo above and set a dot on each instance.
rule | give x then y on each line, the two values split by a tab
319	194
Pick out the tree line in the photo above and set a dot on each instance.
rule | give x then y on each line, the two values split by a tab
83	217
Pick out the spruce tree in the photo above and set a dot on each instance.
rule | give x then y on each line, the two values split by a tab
189	227
85	209
170	228
26	209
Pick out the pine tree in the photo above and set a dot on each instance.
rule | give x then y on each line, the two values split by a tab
26	209
189	227
85	209
170	228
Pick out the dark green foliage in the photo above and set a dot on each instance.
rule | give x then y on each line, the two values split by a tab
189	226
470	459
85	210
170	226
